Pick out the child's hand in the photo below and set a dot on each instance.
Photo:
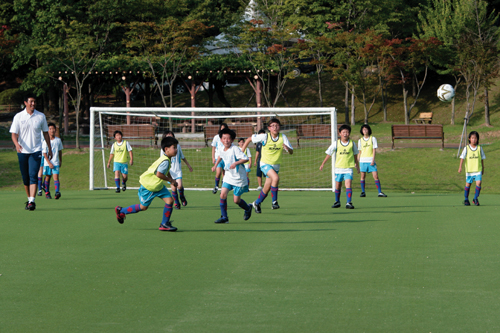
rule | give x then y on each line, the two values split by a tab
213	168
191	169
460	169
51	165
321	167
233	166
173	183
108	165
131	162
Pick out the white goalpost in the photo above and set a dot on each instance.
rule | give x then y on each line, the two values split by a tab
309	130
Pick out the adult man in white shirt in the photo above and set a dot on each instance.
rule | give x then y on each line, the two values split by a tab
25	131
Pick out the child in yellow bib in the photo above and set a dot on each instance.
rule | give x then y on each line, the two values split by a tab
273	144
118	153
152	186
345	160
367	146
473	155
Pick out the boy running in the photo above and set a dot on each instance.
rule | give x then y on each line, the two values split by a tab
368	149
273	144
473	155
152	186
235	177
119	153
345	159
52	166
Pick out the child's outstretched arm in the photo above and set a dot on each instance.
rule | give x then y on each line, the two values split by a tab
256	157
327	157
188	165
237	163
245	145
288	149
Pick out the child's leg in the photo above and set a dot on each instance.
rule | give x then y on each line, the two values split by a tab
377	181
223	202
467	191
248	178
348	190
167	213
47	183
259	181
176	197
117	179
275	179
40	179
338	188
240	202
133	209
478	189
218	172
57	185
124	179
265	190
362	181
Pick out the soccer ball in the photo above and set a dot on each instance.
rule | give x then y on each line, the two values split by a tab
445	93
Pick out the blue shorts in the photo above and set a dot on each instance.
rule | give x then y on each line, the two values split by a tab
367	167
122	167
238	191
146	196
470	179
267	167
247	169
340	177
47	171
221	164
41	163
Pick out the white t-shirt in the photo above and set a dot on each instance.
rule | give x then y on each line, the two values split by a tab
217	143
464	154
238	175
129	147
333	149
176	167
28	127
57	146
360	144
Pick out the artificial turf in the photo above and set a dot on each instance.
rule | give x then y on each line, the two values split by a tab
409	262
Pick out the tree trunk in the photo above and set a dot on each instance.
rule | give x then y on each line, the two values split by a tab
382	91
320	93
353	109
486	108
210	92
453	111
219	90
346	104
405	106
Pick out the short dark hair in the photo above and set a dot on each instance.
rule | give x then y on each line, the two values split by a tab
366	126
52	124
168	142
167	132
117	132
223	124
261	131
227	131
28	96
274	120
241	139
343	127
474	133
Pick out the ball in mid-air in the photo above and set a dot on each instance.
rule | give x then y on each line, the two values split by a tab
445	92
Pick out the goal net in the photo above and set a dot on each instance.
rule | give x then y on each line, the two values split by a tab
309	131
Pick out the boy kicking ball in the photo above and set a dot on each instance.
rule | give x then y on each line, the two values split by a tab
235	176
473	155
345	159
152	186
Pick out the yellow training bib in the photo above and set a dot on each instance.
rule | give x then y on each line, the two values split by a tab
149	179
345	155
272	152
366	147
473	160
120	152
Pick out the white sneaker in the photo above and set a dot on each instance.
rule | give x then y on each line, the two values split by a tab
259	188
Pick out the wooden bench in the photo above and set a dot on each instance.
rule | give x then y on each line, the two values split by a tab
242	131
418	132
133	131
314	131
424	117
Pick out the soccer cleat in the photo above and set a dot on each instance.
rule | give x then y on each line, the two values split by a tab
124	187
382	195
476	202
183	200
257	207
259	188
32	206
336	204
248	213
58	195
275	205
40	193
176	206
27	205
466	202
214	191
222	220
167	227
362	195
117	190
119	215
349	205
47	195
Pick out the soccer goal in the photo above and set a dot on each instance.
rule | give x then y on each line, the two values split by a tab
310	131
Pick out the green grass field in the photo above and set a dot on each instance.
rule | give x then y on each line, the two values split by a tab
409	262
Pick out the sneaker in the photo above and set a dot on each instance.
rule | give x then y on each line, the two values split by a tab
363	195
349	205
124	187
275	205
58	195
176	206
27	206
167	227
119	215
259	188
222	220
39	193
476	202
117	190
466	202
257	207
382	195
336	204
183	201
248	213
214	191
32	206
48	196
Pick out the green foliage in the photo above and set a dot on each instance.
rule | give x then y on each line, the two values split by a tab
11	96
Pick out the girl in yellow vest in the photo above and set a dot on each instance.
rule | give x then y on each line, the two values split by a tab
473	155
345	159
118	152
152	186
367	146
273	144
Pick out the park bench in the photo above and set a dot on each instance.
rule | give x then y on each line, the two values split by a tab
242	131
424	117
133	131
424	132
314	131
